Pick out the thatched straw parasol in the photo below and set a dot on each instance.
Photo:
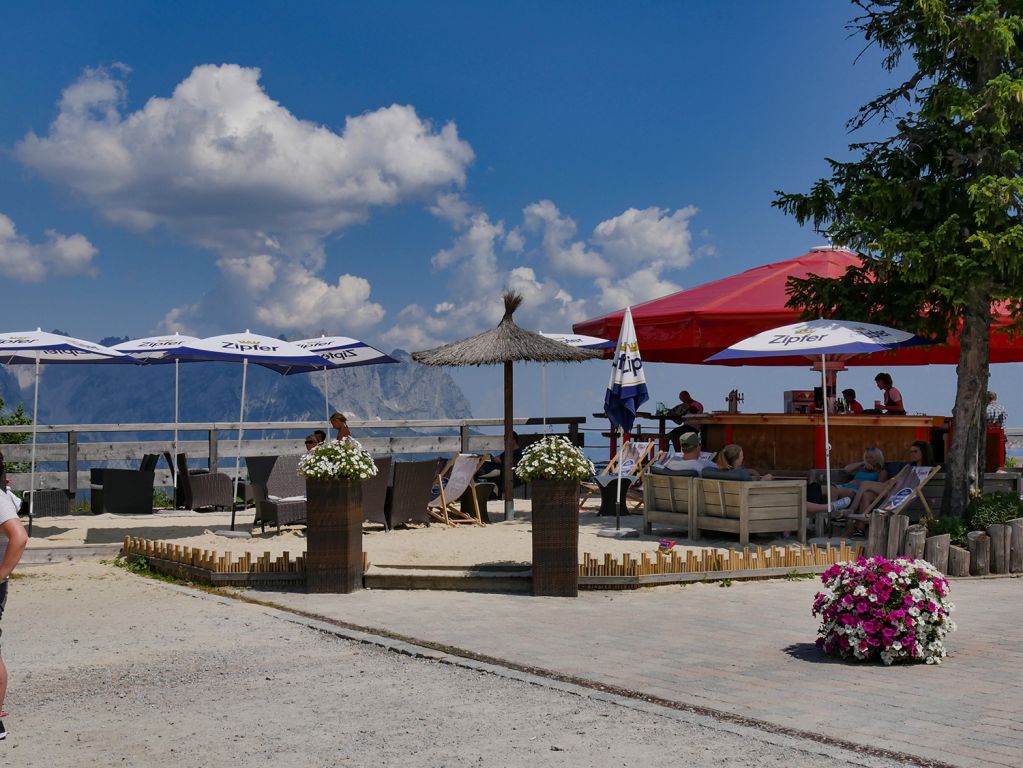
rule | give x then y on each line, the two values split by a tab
505	344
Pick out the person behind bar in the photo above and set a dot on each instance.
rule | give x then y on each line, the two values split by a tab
892	403
686	406
852	405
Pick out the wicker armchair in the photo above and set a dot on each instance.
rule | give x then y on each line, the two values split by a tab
280	498
124	491
198	488
374	493
410	492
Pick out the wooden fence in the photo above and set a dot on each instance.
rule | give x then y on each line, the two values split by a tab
413	436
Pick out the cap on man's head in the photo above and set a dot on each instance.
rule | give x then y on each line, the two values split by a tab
689	440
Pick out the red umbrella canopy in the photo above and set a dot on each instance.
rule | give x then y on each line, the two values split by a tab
691	325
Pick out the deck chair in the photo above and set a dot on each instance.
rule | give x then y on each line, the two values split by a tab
634	456
453	481
898	492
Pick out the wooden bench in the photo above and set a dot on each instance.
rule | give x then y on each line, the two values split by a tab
745	507
668	500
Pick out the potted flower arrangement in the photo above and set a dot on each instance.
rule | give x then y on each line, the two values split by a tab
888	610
555	467
334	471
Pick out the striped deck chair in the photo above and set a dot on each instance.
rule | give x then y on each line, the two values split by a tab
895	497
634	456
455	480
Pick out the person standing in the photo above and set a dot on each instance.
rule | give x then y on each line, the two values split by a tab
995	413
340	422
892	403
687	405
12	541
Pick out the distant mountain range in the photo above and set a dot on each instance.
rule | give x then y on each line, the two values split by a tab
105	394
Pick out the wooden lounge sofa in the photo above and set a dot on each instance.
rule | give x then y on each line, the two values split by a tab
745	507
669	500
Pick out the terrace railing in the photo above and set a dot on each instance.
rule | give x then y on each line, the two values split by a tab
77	448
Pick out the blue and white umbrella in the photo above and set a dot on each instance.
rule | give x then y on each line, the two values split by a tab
155	350
823	339
342	352
41	348
282	356
577	340
626	389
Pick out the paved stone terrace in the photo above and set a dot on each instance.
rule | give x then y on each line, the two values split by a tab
746	650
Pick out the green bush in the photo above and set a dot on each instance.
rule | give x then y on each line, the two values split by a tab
994	508
955	527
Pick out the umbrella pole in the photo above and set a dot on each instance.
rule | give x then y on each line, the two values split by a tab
618	496
543	389
174	451
32	475
509	502
326	402
238	453
827	436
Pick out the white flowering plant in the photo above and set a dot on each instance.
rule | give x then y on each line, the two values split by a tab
343	459
887	610
554	458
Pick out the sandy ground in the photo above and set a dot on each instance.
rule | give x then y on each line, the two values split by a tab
499	542
111	669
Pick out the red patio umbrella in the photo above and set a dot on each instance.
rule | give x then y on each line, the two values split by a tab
691	325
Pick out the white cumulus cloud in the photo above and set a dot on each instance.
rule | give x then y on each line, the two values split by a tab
29	262
222	164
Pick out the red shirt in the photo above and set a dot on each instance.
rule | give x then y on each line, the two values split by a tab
853	406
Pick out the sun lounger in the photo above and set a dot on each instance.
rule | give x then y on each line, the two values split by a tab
454	480
633	457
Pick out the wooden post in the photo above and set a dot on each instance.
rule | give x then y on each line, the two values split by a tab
72	464
508	489
980	553
916	535
1001	540
897	526
936	551
573	434
877	536
213	458
958	561
1016	547
463	437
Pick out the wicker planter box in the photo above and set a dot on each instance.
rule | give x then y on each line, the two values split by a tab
556	538
333	536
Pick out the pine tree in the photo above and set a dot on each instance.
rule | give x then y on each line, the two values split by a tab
935	208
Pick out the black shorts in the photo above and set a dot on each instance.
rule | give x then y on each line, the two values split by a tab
3	602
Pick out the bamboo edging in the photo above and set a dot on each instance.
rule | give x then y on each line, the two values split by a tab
708	565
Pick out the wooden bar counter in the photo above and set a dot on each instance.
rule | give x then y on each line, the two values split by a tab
796	441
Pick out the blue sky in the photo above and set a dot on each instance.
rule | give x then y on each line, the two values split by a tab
383	170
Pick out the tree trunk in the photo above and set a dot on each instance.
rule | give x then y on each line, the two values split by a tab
968	414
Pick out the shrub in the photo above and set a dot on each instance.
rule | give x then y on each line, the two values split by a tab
955	527
892	610
994	508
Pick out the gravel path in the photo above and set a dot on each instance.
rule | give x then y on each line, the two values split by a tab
110	669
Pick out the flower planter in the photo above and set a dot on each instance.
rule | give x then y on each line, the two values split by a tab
556	538
333	536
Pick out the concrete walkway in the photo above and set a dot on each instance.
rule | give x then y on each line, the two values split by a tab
745	651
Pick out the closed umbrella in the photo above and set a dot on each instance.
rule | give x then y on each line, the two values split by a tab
626	391
155	350
39	347
823	339
283	356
